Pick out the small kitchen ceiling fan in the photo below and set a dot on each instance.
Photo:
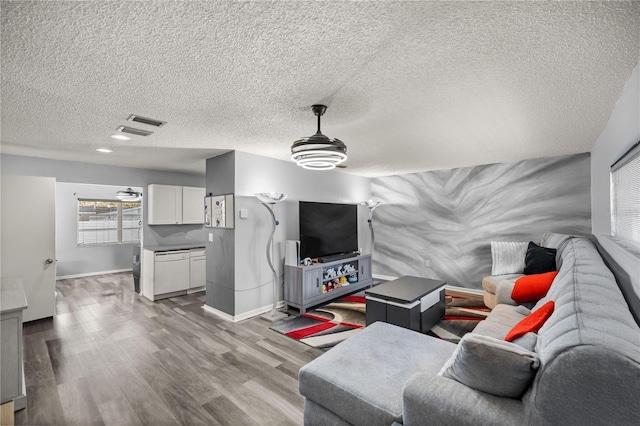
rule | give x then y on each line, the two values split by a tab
129	195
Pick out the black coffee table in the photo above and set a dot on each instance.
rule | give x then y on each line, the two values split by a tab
410	302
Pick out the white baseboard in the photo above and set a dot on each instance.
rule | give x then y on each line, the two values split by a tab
91	274
243	316
464	289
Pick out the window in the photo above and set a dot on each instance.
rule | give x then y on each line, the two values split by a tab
625	198
108	221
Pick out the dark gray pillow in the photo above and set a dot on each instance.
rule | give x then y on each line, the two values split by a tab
491	365
539	260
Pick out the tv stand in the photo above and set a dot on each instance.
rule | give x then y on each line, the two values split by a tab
334	257
307	286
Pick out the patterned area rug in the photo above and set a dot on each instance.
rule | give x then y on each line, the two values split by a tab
330	324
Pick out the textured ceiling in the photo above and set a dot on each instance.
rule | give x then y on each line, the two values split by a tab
410	86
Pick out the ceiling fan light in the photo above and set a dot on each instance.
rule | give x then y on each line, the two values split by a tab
128	195
319	155
318	166
318	152
318	159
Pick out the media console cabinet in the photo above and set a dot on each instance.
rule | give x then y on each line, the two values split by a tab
307	286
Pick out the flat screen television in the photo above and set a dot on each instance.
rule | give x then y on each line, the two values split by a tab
327	229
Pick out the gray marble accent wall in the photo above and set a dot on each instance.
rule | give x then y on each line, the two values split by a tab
448	218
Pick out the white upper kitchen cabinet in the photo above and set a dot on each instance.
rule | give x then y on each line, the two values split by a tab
192	205
175	205
165	204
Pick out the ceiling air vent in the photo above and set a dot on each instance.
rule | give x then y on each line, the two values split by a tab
145	120
134	131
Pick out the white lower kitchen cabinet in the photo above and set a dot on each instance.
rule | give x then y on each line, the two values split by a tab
170	273
198	269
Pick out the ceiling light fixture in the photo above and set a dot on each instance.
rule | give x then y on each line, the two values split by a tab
105	150
318	152
128	195
120	137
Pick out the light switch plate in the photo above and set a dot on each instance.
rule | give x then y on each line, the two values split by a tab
244	213
210	237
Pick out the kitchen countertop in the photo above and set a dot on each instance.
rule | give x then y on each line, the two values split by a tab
13	298
171	247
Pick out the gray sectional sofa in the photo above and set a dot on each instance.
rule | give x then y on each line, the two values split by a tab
588	351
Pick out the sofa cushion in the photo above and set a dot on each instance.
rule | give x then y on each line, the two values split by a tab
527	341
558	242
501	320
532	288
361	379
539	260
491	365
532	323
489	283
555	240
589	349
504	290
507	257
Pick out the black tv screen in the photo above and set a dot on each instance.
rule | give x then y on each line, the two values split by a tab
327	229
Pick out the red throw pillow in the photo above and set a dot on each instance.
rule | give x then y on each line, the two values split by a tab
532	288
531	323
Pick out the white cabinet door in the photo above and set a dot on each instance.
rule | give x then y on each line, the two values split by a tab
171	272
198	269
192	205
164	204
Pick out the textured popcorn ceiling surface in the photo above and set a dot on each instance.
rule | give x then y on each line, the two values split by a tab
410	86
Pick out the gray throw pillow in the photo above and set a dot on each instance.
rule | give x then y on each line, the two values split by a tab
492	365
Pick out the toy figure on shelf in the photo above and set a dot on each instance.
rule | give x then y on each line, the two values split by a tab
348	269
324	288
330	273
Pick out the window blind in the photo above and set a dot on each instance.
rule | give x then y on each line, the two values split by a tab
108	221
625	197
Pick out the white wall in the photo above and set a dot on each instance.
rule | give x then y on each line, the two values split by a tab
78	260
620	133
254	174
260	174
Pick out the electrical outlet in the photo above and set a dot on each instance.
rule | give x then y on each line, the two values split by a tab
427	263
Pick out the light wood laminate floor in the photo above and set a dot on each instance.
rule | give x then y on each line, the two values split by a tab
112	357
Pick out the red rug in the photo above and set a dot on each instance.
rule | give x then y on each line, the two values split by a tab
327	325
330	324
